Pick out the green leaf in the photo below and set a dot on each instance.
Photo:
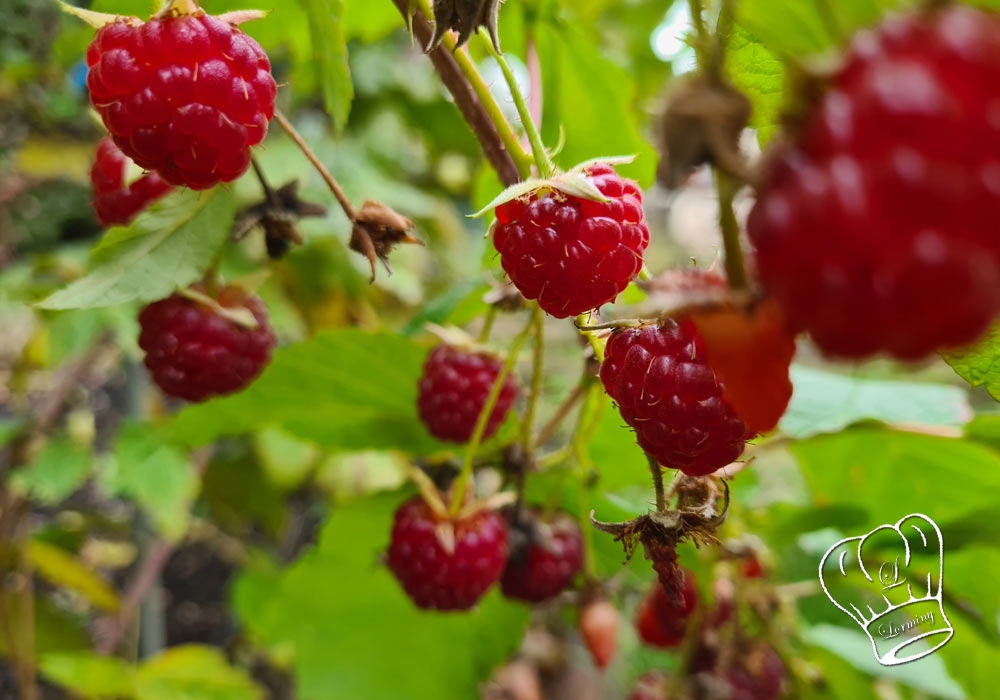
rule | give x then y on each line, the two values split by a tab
979	365
156	475
590	100
891	474
795	28
330	53
57	471
63	569
363	638
370	21
167	247
972	662
89	676
824	402
759	75
928	674
344	390
193	672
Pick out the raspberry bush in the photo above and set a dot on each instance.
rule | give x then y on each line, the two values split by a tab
281	416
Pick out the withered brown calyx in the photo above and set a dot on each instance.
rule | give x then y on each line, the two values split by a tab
702	123
377	229
465	17
278	214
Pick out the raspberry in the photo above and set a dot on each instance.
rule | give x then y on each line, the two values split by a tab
759	677
453	390
599	629
751	567
437	572
573	254
664	389
116	202
874	228
662	622
193	351
653	685
547	564
183	95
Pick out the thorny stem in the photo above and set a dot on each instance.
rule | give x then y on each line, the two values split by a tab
657	472
462	481
542	160
331	182
473	98
538	318
735	272
695	8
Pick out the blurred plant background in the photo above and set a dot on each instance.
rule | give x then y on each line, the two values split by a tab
269	509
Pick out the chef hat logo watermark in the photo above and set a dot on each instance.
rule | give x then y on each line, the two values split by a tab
895	602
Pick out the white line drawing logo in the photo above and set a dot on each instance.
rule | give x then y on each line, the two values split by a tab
913	608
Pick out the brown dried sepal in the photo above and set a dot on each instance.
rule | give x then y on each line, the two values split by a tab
377	229
696	518
505	297
279	216
465	17
702	123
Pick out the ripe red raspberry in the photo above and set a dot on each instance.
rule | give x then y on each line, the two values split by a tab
185	95
116	202
450	571
546	563
572	254
875	227
664	389
194	351
453	390
662	622
599	629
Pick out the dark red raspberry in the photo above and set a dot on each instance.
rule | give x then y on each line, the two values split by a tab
572	254
758	677
661	621
116	201
454	388
186	96
664	389
547	563
449	571
875	227
193	351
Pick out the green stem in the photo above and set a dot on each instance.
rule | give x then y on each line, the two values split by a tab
491	315
590	414
696	8
657	472
538	320
735	272
521	159
462	481
545	166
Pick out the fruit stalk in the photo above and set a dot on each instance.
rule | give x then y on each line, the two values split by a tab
538	319
462	480
542	161
327	176
657	472
735	271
